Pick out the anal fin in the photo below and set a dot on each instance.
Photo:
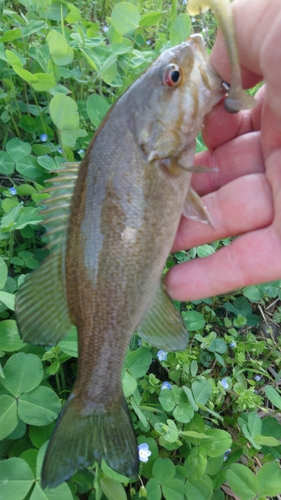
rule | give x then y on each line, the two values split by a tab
163	326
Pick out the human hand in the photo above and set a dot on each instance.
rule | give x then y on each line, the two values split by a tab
244	194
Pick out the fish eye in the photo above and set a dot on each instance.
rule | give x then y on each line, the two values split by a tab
172	76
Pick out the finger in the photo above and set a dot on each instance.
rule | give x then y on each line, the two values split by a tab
221	127
271	145
258	27
252	258
243	205
241	156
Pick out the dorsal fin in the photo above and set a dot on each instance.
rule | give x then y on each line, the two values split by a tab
58	204
41	306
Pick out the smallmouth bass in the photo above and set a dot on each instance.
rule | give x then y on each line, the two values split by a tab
111	224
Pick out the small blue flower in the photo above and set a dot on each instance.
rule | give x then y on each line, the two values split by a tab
60	151
232	345
144	452
139	342
226	454
81	152
166	385
13	190
257	378
43	137
224	383
162	355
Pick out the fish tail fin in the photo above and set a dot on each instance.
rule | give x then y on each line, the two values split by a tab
82	437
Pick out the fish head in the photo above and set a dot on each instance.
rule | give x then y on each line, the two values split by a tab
176	92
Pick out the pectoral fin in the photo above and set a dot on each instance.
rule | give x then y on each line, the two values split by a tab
195	209
163	326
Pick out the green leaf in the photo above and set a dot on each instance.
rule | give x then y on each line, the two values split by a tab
266	440
112	489
138	412
13	59
44	82
125	17
269	480
33	27
17	149
109	69
112	474
194	320
8	220
249	436
183	412
97	107
163	470
196	463
27	215
39	407
8	204
7	164
64	112
3	272
190	397
180	29
150	19
242	481
61	53
47	162
174	490
254	423
171	431
69	344
167	400
153	490
202	391
39	435
54	10
16	479
129	384
218	345
73	15
11	35
198	490
28	168
69	137
8	415
220	442
19	431
138	362
23	372
25	75
273	396
252	293
205	250
8	299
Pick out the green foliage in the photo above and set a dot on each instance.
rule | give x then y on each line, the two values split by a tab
62	66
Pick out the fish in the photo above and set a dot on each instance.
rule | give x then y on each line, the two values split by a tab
111	222
236	99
